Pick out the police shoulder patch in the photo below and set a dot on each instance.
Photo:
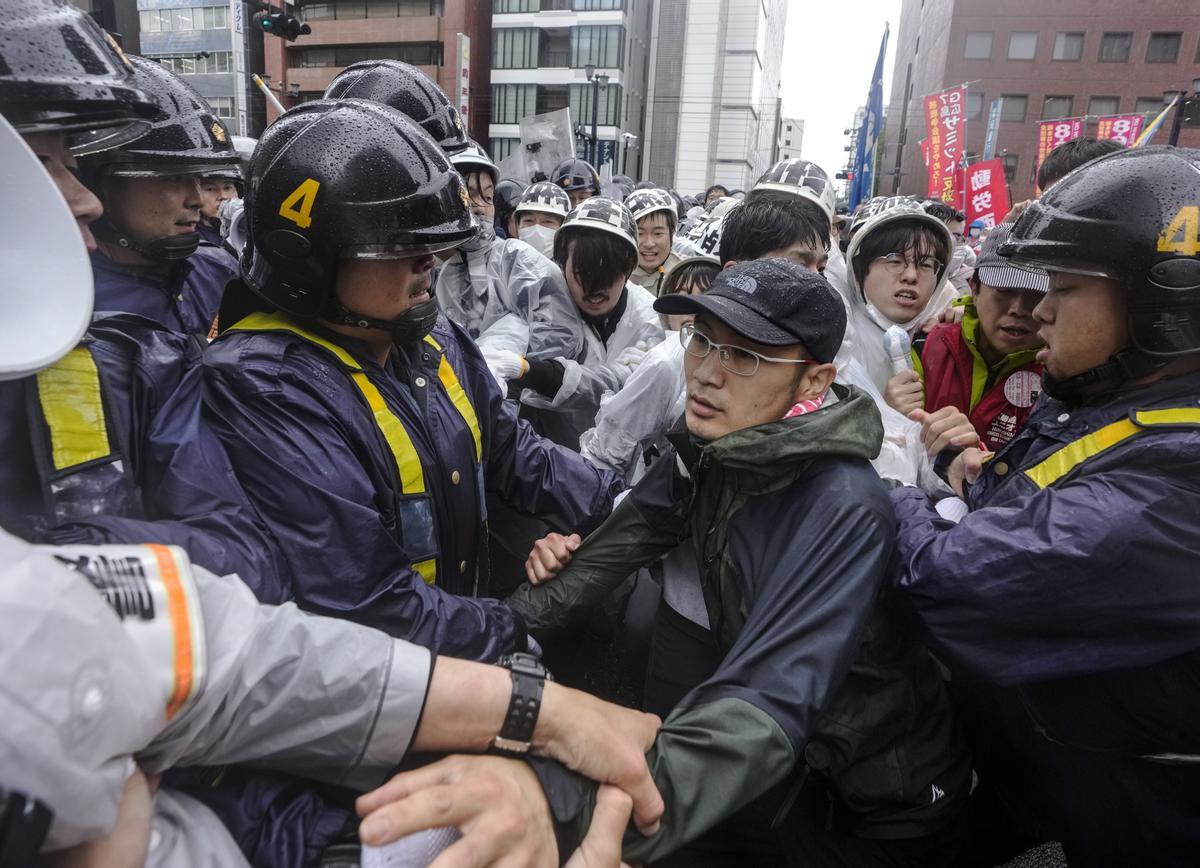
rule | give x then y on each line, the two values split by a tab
151	591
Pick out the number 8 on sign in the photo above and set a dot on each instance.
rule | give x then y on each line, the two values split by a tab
298	205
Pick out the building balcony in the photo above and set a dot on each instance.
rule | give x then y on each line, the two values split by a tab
317	78
361	31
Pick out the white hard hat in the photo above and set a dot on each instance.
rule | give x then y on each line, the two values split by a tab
45	274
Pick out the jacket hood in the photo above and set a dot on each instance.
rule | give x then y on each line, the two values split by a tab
848	428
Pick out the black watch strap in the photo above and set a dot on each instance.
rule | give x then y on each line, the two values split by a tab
528	682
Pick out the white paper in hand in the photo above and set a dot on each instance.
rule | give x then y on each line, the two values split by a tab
412	851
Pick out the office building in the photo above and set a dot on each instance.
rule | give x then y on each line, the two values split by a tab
1071	58
542	51
791	138
444	38
213	46
713	97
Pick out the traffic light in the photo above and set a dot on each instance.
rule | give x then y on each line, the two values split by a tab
844	175
281	24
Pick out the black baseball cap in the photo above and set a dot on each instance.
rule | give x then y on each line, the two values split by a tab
773	302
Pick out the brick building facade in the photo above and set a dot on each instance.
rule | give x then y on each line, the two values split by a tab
1069	58
421	32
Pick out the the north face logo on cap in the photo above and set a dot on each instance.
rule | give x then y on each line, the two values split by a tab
743	283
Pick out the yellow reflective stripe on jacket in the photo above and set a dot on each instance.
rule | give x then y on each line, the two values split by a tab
408	462
69	392
1069	457
458	397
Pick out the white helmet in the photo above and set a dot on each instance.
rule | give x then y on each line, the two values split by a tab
800	178
706	235
45	274
473	158
606	214
883	211
544	196
643	203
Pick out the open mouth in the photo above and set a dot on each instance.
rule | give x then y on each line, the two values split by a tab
906	298
1016	333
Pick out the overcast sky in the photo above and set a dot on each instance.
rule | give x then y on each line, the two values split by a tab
829	53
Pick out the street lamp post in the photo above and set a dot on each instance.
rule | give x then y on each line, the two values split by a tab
1185	103
596	80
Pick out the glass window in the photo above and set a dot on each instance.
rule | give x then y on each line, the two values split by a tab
149	21
592	5
1022	46
1056	107
514	48
610	104
1114	47
502	6
1013	107
1163	47
320	12
351	9
1104	105
1068	46
978	45
181	19
1010	166
501	149
511	102
974	105
222	106
346	55
1146	105
381	9
599	45
418	8
317	57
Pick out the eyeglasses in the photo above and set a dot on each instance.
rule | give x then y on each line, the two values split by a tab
735	359
897	263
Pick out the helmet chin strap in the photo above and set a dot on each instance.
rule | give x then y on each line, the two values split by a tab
168	248
410	328
1122	366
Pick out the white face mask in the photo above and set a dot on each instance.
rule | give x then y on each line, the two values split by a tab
540	238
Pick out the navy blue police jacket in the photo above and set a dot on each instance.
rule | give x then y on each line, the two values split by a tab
389	534
1072	590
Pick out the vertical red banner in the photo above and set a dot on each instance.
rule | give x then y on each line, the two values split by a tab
986	191
1120	128
944	116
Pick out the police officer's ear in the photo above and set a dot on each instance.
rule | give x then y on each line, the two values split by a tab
973	282
729	263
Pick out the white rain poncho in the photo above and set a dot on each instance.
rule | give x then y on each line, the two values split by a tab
510	297
638	417
864	362
599	369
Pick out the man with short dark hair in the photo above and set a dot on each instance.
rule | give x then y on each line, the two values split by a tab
779	227
712	194
1070	156
799	691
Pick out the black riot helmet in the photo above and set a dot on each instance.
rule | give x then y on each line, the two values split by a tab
185	138
508	197
59	72
1132	217
408	90
574	174
347	179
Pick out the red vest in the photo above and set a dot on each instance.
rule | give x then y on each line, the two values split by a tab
998	401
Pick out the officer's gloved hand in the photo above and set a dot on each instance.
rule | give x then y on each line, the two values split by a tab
505	365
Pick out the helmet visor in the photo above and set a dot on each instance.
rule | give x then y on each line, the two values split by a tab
398	251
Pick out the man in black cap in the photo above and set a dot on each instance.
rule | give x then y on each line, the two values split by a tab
803	716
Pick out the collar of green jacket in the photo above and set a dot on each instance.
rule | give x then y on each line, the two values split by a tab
849	427
970	333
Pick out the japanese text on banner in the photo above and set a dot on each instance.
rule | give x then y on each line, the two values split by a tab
1120	128
944	116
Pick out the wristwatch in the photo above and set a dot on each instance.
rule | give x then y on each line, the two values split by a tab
529	678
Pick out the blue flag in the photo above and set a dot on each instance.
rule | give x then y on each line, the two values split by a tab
863	184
